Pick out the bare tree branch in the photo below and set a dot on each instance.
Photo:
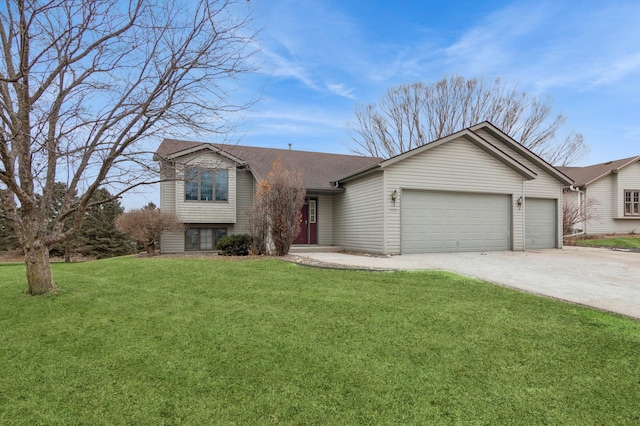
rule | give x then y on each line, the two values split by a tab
276	209
578	212
412	115
84	83
146	225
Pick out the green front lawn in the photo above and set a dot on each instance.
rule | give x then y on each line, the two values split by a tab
617	242
202	341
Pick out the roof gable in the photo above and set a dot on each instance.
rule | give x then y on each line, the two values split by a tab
173	147
523	151
476	140
466	134
586	175
318	169
187	148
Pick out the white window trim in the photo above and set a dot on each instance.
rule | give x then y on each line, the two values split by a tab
634	206
200	228
200	170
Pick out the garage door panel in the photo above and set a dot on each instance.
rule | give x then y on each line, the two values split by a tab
540	223
454	222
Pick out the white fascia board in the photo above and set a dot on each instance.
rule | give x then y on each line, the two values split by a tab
476	140
522	150
206	146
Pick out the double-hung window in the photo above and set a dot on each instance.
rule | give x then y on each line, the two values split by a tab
632	202
203	184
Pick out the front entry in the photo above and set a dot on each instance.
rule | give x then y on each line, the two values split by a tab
308	223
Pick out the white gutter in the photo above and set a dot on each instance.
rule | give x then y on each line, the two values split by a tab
580	207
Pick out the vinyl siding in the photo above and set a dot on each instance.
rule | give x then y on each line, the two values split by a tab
570	197
602	192
167	189
168	196
609	195
210	211
172	242
628	179
543	186
325	220
358	222
244	200
457	166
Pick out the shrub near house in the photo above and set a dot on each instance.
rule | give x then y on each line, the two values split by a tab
235	245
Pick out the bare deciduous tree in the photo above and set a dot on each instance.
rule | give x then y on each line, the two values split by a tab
575	212
412	115
84	82
145	226
279	198
258	226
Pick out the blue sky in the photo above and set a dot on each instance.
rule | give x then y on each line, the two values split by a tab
319	58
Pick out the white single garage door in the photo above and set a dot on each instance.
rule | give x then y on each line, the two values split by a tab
439	222
540	224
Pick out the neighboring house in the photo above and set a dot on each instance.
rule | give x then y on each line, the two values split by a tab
475	190
614	190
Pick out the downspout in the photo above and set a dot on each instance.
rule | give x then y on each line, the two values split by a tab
581	205
522	219
384	212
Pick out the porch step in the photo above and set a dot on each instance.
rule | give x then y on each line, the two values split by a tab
313	248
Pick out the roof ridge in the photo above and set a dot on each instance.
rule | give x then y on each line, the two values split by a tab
224	145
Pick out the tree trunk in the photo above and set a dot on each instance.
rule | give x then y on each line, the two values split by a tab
39	278
151	249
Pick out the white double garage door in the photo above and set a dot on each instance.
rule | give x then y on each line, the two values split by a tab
439	222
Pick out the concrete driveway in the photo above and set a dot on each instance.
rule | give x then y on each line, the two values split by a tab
600	278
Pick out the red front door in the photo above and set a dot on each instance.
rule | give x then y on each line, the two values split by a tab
308	223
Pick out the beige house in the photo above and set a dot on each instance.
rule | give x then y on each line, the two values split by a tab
613	191
475	190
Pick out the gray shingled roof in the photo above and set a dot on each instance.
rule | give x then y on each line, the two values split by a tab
588	174
318	168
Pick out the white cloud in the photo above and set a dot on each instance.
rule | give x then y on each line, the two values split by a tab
296	117
305	41
340	89
546	46
618	69
496	44
281	67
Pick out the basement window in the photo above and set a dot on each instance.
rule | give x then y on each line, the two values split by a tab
203	239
